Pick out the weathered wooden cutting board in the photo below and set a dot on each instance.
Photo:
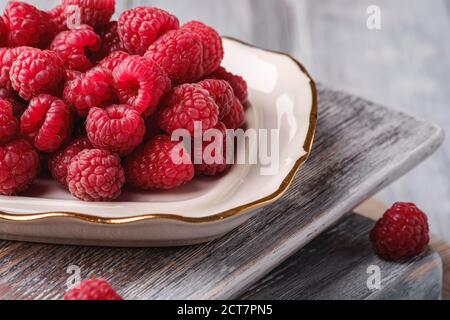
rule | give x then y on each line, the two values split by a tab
359	149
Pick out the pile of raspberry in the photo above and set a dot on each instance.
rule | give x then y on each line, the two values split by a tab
96	101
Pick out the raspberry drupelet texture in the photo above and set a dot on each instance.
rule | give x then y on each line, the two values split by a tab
3	33
95	13
238	83
9	125
235	119
161	164
89	90
58	19
77	47
180	54
141	26
111	41
95	175
47	123
35	72
188	105
60	160
140	83
213	52
93	289
222	93
7	57
117	128
19	167
402	232
113	60
17	103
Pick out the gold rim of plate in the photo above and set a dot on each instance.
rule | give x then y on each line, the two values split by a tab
232	213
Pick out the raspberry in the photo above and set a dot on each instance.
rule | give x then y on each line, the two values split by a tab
17	104
27	25
141	26
238	83
60	160
95	13
180	54
140	83
113	60
35	72
213	52
95	175
58	19
47	122
9	125
76	47
93	289
221	92
110	40
402	232
7	57
93	89
19	167
161	164
118	129
3	33
188	105
235	119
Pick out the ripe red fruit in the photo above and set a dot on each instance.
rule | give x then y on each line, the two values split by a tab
58	19
3	33
221	92
47	122
93	289
12	97
235	119
95	13
238	83
9	125
402	232
7	57
111	41
113	60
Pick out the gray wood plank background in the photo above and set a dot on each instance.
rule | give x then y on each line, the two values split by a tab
404	65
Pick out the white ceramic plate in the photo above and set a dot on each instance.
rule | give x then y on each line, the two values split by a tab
282	96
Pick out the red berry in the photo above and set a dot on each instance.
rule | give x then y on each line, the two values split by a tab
89	90
19	167
161	164
47	122
58	19
110	39
113	60
12	97
140	83
35	72
60	160
180	54
117	128
402	232
235	119
188	105
141	26
238	83
95	13
7	57
93	289
3	33
95	175
221	92
9	125
213	52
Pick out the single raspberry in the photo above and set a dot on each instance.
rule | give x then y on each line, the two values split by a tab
113	60
89	90
238	83
161	164
47	122
117	128
402	232
213	52
58	19
60	160
188	105
141	26
3	33
111	41
77	47
35	72
140	83
221	92
7	57
95	175
19	167
95	13
9	125
235	119
17	103
27	25
93	289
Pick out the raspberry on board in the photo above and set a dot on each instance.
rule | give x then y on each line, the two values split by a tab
222	93
47	123
141	26
19	167
402	232
9	125
188	105
140	83
111	41
238	83
213	51
118	129
95	175
93	289
60	160
35	72
7	57
113	60
161	164
95	13
180	54
58	19
92	89
235	119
